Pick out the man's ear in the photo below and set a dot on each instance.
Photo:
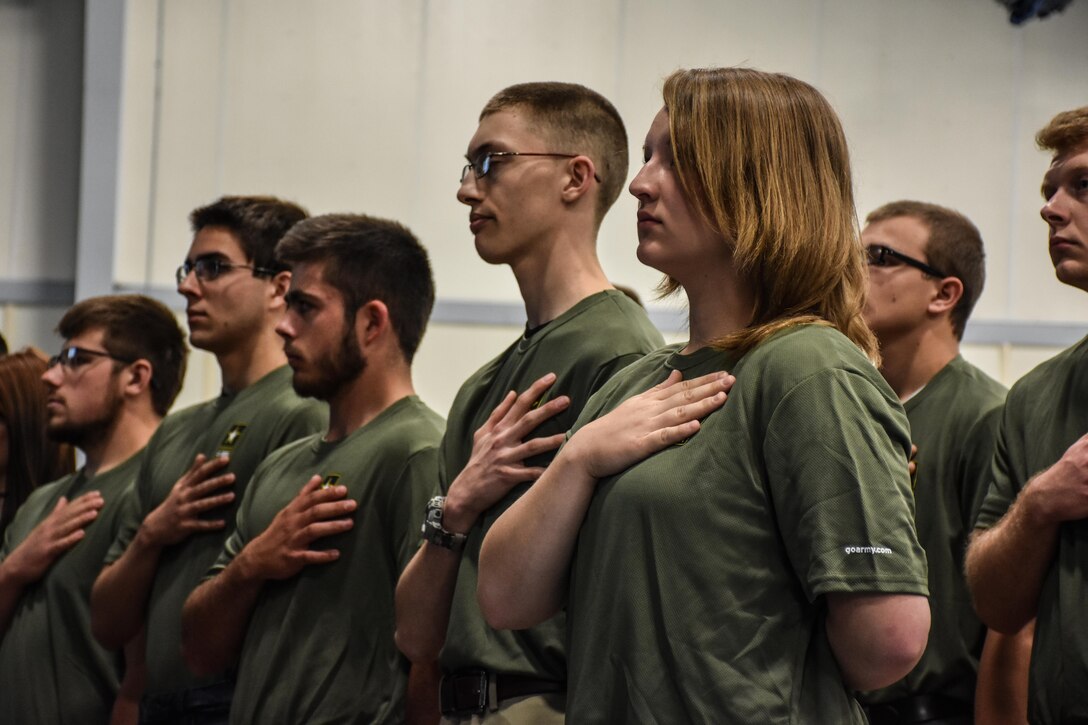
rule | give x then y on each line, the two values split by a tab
281	282
949	292
580	177
137	378
372	323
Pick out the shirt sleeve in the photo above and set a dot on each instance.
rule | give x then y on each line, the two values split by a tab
976	465
1003	482
406	504
836	451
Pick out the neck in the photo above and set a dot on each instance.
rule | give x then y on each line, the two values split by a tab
563	273
355	404
123	438
909	362
244	365
718	304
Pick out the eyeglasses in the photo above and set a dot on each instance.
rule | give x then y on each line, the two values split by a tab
209	268
73	358
482	165
881	256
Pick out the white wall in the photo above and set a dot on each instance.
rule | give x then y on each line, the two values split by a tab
352	105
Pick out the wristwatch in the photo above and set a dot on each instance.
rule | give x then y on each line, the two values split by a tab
433	530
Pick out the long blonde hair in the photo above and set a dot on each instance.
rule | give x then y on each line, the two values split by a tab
764	158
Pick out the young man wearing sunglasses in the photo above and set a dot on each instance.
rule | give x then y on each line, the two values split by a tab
546	163
119	371
198	465
1027	559
926	271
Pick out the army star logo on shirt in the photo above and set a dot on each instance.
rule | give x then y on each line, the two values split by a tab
230	440
330	480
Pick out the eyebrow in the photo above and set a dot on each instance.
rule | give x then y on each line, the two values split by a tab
208	255
294	296
1056	175
481	149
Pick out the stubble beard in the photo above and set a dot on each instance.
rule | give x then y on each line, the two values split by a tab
87	433
333	374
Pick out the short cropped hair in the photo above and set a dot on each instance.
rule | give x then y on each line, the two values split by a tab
763	157
574	120
367	258
135	327
954	247
259	222
1066	132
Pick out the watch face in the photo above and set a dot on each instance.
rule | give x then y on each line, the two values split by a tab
434	516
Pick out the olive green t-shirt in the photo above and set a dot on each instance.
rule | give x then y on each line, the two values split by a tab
584	347
247	426
52	670
1045	413
697	583
319	647
953	421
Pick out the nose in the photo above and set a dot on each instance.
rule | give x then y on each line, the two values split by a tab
51	376
188	286
469	191
1054	209
284	328
640	186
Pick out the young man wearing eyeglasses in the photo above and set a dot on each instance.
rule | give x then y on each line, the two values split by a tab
926	272
1026	562
545	164
198	465
301	598
117	375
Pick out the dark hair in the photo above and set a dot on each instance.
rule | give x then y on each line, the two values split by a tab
575	120
954	247
369	259
135	327
1066	132
33	457
259	222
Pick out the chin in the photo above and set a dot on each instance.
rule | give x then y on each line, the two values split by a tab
201	340
1072	273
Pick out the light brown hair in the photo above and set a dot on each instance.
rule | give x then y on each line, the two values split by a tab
764	158
954	247
1066	132
574	120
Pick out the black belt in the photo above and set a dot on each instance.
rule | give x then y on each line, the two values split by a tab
169	707
474	692
919	709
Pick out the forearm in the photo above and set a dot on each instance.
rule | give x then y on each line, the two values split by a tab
423	601
877	638
526	554
11	589
216	616
120	593
1006	565
1001	697
423	707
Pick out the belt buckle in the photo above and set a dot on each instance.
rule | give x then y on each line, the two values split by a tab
450	693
